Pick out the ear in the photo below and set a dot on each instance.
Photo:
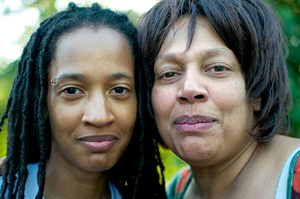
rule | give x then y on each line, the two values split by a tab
257	104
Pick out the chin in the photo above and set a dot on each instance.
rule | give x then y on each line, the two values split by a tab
98	165
98	168
195	153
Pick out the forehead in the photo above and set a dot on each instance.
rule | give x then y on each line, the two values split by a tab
89	38
102	47
205	38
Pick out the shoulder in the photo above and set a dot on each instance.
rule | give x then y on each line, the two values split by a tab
1	181
31	187
115	194
281	146
294	176
289	181
275	153
33	167
287	141
179	183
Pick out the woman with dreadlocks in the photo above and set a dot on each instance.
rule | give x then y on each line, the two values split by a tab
75	117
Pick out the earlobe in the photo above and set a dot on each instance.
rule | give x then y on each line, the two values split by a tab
257	104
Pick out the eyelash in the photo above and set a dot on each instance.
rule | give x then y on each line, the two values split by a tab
123	89
216	69
218	66
68	91
65	90
73	93
171	74
165	75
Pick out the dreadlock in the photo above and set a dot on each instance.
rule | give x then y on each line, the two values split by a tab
29	130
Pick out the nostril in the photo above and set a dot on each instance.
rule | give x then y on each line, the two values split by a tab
183	98
199	96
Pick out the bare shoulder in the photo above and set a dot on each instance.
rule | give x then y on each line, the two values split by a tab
286	143
281	146
266	166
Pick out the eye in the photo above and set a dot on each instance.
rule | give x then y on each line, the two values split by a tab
71	91
218	69
119	90
168	75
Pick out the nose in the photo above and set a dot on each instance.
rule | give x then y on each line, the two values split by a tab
192	88
97	111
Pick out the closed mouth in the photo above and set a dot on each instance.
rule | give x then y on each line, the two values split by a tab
194	119
97	138
195	123
98	143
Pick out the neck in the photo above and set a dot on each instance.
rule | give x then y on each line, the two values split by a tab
63	181
220	180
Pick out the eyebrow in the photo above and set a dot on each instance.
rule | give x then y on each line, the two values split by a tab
121	75
216	51
207	53
70	76
77	76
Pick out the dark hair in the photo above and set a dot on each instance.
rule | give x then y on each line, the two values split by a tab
135	174
251	31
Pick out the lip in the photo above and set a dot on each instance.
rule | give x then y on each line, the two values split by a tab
194	123
98	143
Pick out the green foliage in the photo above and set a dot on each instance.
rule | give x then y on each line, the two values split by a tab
288	12
3	136
6	79
7	71
133	16
171	162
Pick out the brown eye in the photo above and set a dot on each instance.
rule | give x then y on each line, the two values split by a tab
119	90
168	75
219	68
71	90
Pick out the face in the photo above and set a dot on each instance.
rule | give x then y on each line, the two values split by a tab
199	97
92	108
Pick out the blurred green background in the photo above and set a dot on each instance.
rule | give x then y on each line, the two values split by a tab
288	12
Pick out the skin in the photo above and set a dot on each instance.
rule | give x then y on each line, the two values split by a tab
203	116
206	82
92	111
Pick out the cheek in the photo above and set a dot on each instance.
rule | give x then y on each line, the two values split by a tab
126	114
236	112
64	117
162	101
160	107
155	99
132	110
229	97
